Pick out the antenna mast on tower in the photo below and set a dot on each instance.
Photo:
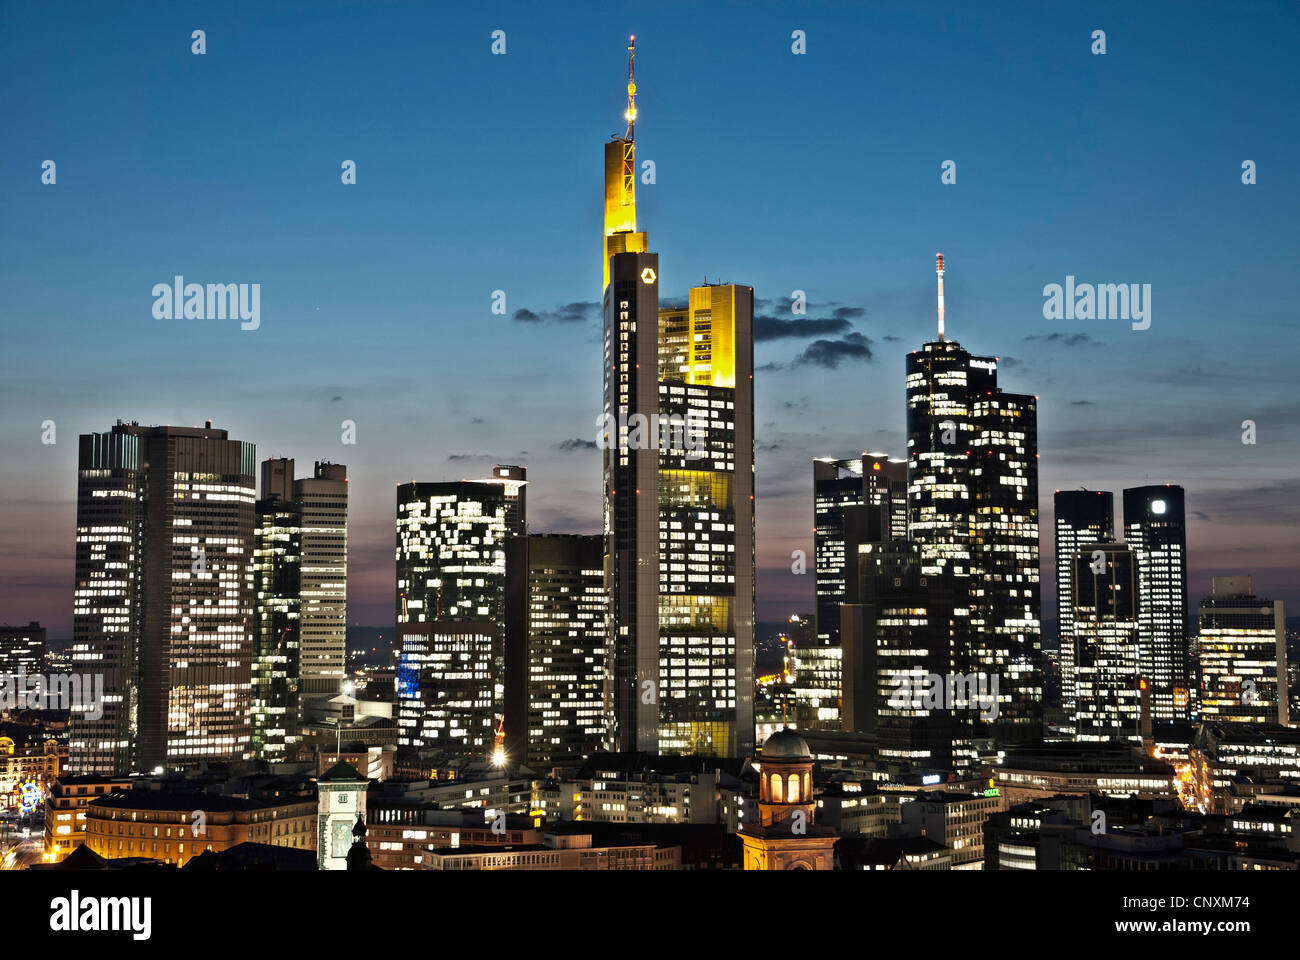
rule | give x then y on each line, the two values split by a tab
939	270
631	87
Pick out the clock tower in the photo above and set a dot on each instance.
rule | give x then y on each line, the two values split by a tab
342	799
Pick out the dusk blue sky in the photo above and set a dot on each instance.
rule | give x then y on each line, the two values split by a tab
477	172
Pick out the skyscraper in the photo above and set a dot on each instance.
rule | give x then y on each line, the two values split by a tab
1105	631
164	597
1242	642
22	648
514	485
855	501
898	638
1081	517
301	635
451	573
973	507
1155	528
678	482
706	524
555	648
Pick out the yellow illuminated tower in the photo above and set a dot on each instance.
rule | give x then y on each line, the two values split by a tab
706	523
678	441
621	235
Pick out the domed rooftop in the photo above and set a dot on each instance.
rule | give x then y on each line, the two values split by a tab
786	744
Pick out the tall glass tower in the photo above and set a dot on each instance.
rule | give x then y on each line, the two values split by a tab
973	507
678	441
1155	527
163	605
1082	517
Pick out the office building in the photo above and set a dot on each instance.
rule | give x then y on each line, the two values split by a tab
22	649
855	501
973	507
1105	631
1155	528
678	483
301	583
163	602
1242	641
451	575
513	481
555	648
1081	517
899	667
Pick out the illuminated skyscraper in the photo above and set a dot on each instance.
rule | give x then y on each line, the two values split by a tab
973	507
1243	655
678	482
555	648
451	573
856	501
514	484
1155	528
897	636
301	634
1105	630
706	524
22	648
164	597
1081	517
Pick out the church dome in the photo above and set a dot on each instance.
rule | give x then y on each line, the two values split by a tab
786	745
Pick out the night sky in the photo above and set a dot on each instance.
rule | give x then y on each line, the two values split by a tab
476	172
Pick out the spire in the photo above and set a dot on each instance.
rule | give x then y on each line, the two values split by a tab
621	234
939	270
631	88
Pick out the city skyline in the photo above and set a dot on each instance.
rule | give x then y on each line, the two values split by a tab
1185	385
352	518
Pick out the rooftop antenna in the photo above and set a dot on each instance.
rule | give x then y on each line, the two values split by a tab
939	270
631	87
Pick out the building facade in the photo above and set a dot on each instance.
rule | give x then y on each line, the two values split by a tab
1155	529
1242	640
555	648
1105	631
301	582
451	602
163	603
677	436
1081	517
973	507
855	501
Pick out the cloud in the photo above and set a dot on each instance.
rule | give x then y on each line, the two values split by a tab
580	311
831	353
569	446
1082	403
1201	516
1010	362
1068	339
849	313
453	457
774	328
335	399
